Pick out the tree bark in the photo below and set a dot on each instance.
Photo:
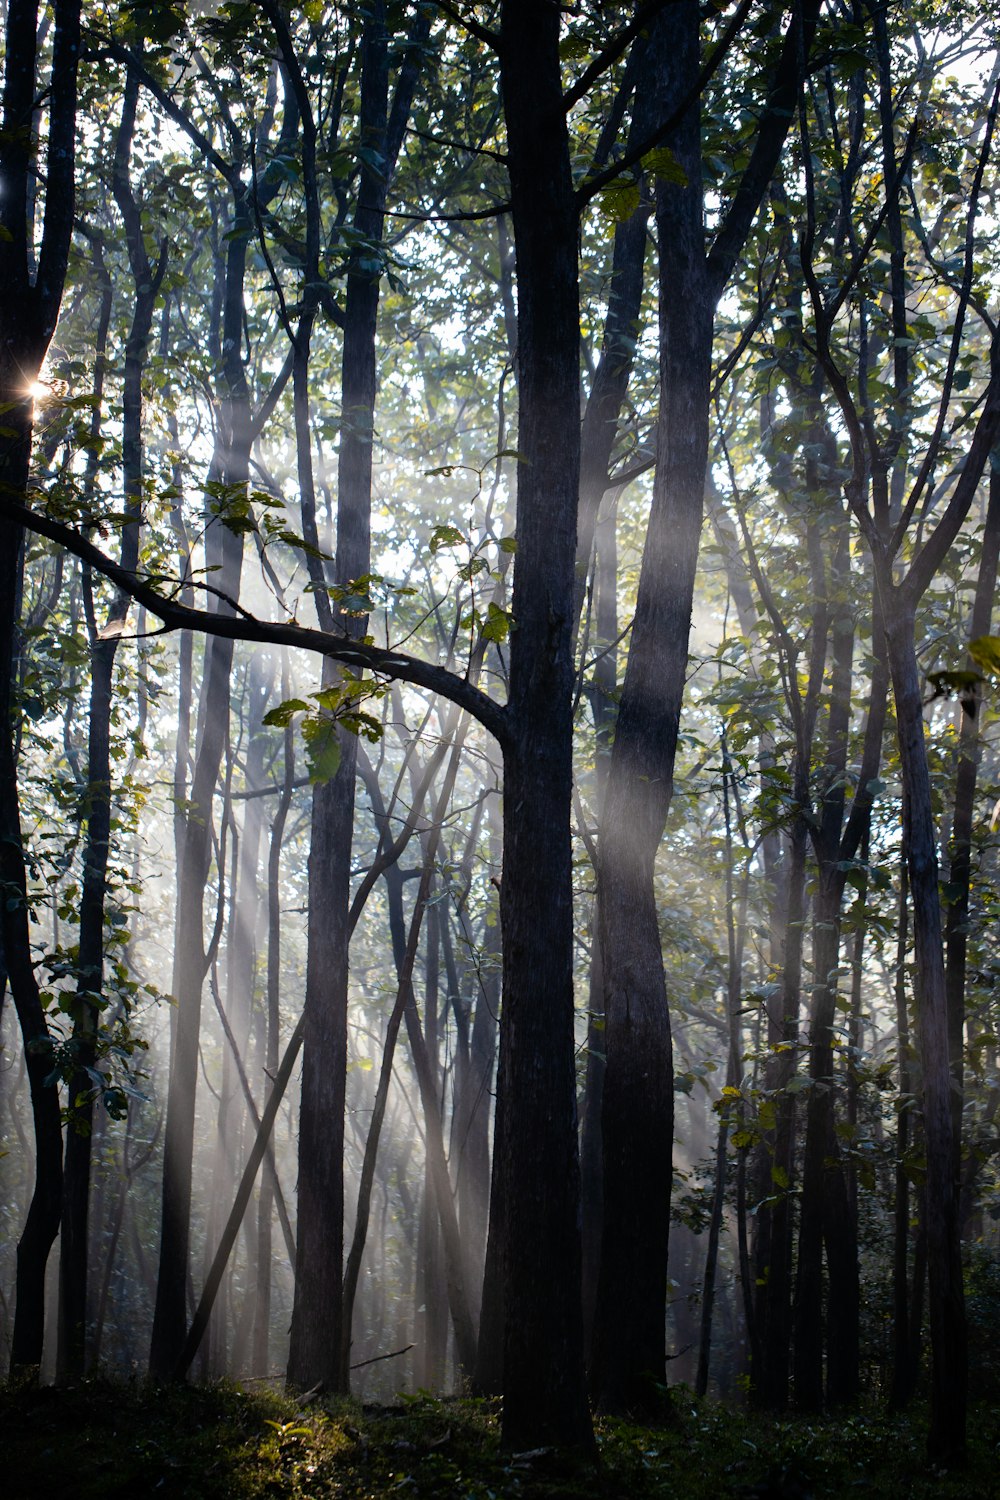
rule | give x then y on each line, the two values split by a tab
637	1113
544	1391
949	1373
29	307
960	871
73	1268
318	1333
228	475
262	1306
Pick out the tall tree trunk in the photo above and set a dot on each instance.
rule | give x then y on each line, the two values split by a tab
628	1368
904	1365
318	1334
775	1218
735	935
826	1218
960	872
30	295
473	1105
637	1114
262	1305
949	1372
544	1390
241	938
228	478
73	1270
42	1222
603	698
432	1323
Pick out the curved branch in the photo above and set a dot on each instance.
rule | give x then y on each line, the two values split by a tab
343	648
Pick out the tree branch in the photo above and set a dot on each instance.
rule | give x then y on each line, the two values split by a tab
342	648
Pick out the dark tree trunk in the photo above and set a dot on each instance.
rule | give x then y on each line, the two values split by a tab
42	1222
826	1217
431	1330
637	1114
544	1390
904	1364
30	297
735	935
262	1308
314	1351
775	1219
73	1269
949	1374
318	1336
960	872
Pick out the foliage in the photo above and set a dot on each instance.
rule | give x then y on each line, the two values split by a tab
105	1440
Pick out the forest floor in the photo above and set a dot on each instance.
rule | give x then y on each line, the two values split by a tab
133	1441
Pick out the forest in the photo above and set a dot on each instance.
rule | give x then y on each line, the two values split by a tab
499	741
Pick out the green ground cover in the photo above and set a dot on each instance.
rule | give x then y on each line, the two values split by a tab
105	1439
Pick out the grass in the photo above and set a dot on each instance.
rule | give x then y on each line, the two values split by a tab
101	1440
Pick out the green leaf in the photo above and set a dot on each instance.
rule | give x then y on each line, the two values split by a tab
445	536
281	716
322	749
497	625
985	652
619	200
663	164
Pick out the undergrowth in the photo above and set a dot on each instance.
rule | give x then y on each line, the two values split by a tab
102	1439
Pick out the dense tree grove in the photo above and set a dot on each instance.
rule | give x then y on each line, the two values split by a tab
499	822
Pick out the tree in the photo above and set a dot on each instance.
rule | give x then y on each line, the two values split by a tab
629	1338
29	308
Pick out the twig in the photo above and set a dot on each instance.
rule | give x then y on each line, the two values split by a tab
394	1355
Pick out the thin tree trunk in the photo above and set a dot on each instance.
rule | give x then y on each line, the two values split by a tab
735	935
775	1219
405	1006
949	1373
473	1107
960	872
903	1365
229	472
262	1304
432	1323
319	1329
